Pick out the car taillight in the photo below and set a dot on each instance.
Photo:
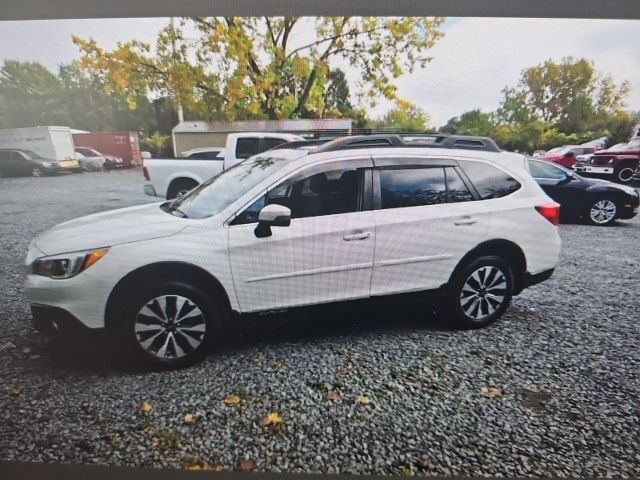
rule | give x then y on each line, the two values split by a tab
145	172
550	211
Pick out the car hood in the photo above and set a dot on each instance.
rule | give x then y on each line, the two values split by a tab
598	182
107	229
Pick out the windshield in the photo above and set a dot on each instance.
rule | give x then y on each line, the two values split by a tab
216	194
31	155
633	145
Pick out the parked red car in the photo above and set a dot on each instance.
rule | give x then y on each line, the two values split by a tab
618	163
566	156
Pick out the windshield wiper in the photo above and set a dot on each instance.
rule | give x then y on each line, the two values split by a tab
173	210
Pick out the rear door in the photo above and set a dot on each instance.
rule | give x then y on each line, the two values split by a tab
427	218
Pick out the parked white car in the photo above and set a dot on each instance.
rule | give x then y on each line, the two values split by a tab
357	217
90	164
174	177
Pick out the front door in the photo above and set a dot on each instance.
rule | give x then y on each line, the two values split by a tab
325	255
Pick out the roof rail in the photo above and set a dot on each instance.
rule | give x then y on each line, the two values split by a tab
301	144
436	140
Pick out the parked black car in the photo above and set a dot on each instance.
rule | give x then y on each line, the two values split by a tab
599	202
16	162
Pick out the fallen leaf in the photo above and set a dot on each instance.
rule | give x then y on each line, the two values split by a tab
194	465
271	419
231	400
7	346
191	418
14	391
491	392
362	400
333	397
280	366
269	452
155	442
534	398
246	465
145	407
426	463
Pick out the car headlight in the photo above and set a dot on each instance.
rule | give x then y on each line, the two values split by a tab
67	265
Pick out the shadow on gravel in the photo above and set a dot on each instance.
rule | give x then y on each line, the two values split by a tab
309	324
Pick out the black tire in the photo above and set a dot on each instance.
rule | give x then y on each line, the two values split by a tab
624	173
608	209
180	187
130	318
459	303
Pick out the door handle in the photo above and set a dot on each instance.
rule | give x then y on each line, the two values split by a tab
465	221
357	236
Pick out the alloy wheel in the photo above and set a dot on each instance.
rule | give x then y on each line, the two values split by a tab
170	327
483	293
602	212
36	172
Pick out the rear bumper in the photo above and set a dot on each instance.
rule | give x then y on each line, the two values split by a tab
594	170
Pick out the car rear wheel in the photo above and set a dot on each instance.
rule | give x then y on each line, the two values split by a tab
180	188
168	325
480	293
602	212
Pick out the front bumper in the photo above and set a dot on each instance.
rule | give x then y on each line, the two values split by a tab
592	169
150	190
529	279
55	321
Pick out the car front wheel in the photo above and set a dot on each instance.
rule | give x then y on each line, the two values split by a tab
169	325
480	292
602	212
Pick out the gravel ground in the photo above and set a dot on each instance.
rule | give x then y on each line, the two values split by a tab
564	361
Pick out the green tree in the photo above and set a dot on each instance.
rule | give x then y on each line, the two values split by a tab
250	67
405	117
562	93
337	95
30	95
473	122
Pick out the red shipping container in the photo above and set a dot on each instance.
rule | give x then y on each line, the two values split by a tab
119	144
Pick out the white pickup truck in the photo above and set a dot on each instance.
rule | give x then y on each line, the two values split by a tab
173	177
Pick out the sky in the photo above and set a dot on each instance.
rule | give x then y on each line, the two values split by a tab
472	63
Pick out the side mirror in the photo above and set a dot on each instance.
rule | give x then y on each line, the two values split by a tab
568	154
273	215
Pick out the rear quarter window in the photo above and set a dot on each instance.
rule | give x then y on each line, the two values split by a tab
489	181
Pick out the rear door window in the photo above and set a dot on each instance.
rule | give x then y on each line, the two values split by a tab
269	143
247	147
489	181
457	190
412	187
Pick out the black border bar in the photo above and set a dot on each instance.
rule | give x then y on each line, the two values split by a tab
61	9
55	471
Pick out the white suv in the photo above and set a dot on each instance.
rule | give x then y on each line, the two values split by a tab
354	218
